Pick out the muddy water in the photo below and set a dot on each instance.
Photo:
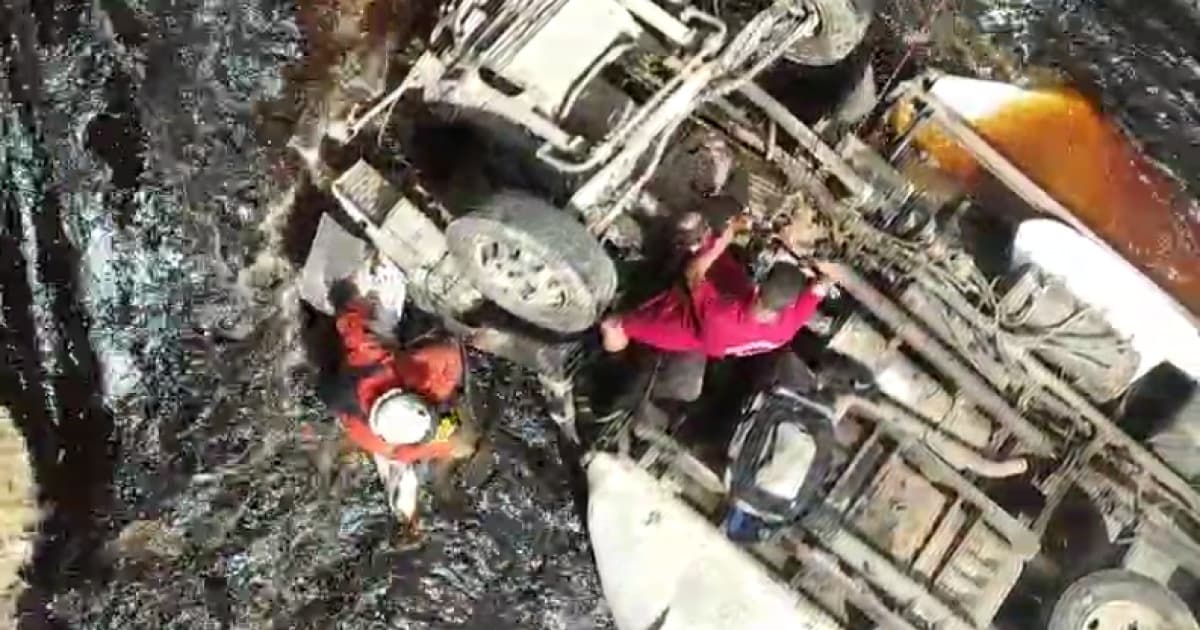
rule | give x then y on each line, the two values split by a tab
1064	143
1121	145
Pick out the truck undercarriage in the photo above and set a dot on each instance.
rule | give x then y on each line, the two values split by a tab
990	428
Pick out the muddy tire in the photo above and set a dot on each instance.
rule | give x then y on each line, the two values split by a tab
535	261
843	25
1120	599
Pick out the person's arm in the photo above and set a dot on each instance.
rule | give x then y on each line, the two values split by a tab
806	305
363	437
412	453
698	268
361	346
663	322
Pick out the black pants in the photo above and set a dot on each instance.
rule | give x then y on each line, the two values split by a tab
680	377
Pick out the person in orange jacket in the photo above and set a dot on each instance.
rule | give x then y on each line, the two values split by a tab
388	402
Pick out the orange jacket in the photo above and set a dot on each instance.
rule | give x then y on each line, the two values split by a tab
432	372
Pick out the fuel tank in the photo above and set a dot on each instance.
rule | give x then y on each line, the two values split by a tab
1065	144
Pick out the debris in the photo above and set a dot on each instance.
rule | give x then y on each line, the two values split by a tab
19	515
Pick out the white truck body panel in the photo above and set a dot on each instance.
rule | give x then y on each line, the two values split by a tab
1133	305
663	566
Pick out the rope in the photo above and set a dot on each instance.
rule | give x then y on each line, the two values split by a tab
909	52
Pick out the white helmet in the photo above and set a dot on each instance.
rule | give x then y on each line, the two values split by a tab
401	418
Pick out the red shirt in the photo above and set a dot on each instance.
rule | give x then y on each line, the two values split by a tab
718	319
432	372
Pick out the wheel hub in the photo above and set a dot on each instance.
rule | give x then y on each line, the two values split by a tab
1125	615
840	28
524	274
534	261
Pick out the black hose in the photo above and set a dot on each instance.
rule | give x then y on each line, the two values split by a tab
775	411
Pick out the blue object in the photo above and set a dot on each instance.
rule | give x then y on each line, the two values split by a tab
742	526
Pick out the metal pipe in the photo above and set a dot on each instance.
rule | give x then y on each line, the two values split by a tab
660	20
856	592
667	107
936	353
899	377
422	72
610	56
1113	434
954	451
1023	540
1080	405
883	573
807	139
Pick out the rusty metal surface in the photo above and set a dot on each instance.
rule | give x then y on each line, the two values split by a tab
980	573
880	571
938	471
950	327
903	380
409	238
899	510
1123	448
948	527
940	356
821	570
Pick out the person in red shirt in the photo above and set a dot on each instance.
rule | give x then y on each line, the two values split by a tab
720	312
387	401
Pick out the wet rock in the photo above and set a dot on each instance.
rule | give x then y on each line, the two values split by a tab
19	515
148	541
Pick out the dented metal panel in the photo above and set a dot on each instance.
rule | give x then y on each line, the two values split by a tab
409	238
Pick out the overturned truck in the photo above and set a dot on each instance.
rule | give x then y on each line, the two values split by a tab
983	476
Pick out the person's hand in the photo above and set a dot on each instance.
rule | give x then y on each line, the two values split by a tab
483	338
823	286
818	282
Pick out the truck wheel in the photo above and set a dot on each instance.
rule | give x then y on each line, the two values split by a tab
534	260
1116	599
843	25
